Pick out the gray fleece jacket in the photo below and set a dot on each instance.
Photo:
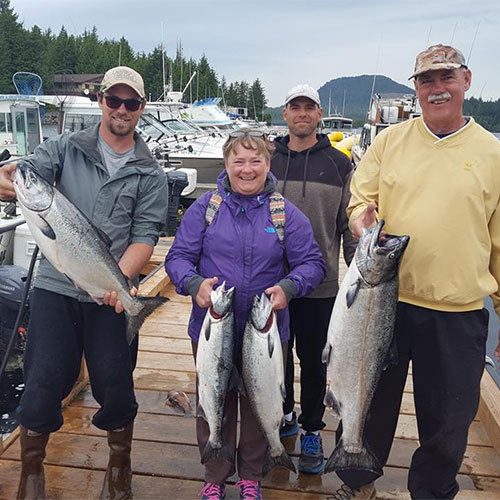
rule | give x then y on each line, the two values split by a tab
129	207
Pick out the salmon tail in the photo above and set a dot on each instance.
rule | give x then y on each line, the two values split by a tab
134	323
211	453
284	460
341	459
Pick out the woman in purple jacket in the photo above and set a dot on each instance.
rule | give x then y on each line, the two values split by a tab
241	247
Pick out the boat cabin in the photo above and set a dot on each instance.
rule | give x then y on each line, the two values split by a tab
20	124
336	123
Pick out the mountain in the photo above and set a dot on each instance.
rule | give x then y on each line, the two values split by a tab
356	90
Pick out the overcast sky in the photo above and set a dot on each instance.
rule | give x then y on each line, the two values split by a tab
286	42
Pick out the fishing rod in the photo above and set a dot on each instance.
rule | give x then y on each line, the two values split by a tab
10	159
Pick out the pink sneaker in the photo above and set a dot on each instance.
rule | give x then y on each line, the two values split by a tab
250	490
211	491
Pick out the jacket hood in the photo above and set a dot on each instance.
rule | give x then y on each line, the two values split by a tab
281	144
224	186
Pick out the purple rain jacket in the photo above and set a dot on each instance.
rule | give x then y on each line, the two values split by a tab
241	247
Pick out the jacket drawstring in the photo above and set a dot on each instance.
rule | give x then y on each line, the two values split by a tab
304	181
286	172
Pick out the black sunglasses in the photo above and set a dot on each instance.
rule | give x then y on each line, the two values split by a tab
115	102
251	133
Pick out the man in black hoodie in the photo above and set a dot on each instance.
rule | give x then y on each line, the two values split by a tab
316	178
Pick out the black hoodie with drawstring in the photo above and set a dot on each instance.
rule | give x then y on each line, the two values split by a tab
317	181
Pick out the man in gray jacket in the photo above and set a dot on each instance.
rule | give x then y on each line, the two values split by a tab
315	177
108	172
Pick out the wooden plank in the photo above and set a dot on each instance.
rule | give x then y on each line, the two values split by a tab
478	460
154	284
489	409
164	380
158	328
181	461
68	482
165	345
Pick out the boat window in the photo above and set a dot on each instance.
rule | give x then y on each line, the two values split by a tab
20	123
74	122
177	126
153	127
3	122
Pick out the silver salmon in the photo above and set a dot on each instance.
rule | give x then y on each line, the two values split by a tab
75	247
264	378
214	368
359	339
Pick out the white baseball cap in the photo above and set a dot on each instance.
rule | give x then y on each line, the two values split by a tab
303	90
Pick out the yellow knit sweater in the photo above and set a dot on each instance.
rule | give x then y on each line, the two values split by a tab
445	194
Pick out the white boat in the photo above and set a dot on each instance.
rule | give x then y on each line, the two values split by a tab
173	142
20	124
385	110
336	123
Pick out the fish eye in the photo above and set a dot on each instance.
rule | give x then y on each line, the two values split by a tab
391	256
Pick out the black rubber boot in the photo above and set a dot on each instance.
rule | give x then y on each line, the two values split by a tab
32	481
118	480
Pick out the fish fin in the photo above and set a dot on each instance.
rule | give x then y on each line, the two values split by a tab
200	412
352	292
134	323
283	391
341	459
104	237
284	460
241	387
46	229
207	331
234	379
331	402
211	453
270	345
392	357
325	355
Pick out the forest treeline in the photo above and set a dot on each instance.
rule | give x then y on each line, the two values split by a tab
47	53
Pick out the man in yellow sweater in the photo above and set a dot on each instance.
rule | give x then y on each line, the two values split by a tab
437	179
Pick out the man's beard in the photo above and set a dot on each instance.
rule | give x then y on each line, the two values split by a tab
303	132
120	130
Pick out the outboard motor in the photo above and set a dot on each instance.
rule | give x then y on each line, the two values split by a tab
177	181
12	284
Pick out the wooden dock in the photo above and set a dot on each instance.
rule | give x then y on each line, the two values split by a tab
165	457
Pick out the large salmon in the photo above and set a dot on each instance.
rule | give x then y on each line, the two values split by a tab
359	338
75	247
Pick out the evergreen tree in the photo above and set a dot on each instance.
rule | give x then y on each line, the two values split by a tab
12	38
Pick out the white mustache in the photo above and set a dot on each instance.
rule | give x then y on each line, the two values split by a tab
439	97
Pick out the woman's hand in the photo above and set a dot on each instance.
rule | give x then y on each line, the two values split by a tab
203	296
277	297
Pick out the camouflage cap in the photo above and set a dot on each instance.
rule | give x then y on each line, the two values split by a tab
125	76
438	57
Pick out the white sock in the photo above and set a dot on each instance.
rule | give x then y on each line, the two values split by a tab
289	416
